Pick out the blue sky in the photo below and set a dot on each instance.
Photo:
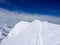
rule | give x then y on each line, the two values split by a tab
13	11
49	7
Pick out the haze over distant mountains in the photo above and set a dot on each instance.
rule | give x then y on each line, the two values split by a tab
4	30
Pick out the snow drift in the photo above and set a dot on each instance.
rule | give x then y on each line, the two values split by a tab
33	33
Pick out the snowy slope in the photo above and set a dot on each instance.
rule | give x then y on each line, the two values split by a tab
19	27
34	33
28	36
50	34
4	30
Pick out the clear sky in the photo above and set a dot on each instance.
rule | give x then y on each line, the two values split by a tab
49	7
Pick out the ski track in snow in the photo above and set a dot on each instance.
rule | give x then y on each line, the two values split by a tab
34	33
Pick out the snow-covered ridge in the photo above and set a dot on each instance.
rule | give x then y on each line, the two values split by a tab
33	33
20	28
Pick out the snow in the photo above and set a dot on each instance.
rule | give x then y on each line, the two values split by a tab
33	33
4	30
19	27
0	33
50	33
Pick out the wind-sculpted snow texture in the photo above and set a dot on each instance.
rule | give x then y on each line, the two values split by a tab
33	33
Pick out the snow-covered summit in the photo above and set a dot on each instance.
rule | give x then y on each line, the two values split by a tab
19	27
33	33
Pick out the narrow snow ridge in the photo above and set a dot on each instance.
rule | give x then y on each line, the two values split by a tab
19	27
25	37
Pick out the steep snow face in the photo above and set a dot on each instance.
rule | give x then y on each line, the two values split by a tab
5	29
26	37
19	27
34	33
